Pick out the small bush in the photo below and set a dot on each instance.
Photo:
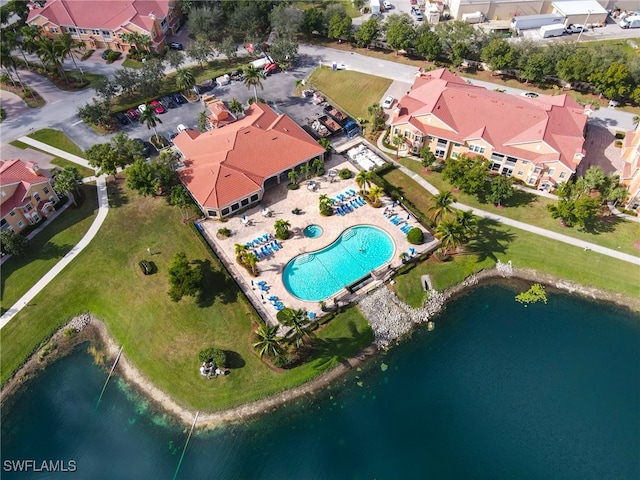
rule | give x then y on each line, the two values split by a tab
415	236
113	55
620	135
285	314
87	54
293	186
224	232
69	332
285	360
345	174
214	355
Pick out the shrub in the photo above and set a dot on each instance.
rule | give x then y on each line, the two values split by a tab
286	360
345	174
415	236
113	55
87	54
212	354
293	186
620	135
69	332
284	315
224	232
3	114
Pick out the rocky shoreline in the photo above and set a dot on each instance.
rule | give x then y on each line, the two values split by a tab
390	319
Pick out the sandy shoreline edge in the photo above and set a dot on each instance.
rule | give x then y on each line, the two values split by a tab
96	332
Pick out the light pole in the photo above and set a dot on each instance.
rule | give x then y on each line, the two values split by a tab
584	26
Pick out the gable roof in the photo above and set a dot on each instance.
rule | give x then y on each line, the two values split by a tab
102	14
225	165
504	121
21	175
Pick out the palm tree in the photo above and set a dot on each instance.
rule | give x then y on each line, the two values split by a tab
305	170
636	120
150	119
50	52
235	106
12	38
7	61
241	253
67	44
397	141
252	78
251	261
468	222
450	234
363	180
297	320
326	144
185	79
282	229
293	176
268	341
67	182
375	110
442	205
374	195
318	163
326	205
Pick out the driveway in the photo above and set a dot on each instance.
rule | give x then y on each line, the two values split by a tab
601	150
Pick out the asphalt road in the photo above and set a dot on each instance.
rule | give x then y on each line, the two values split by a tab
61	109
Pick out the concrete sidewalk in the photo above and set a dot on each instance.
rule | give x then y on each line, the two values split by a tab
625	257
103	208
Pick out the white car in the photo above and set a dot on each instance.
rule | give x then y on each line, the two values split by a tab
142	108
387	5
530	94
576	28
387	102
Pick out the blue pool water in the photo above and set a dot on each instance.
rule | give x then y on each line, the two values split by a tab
313	231
318	275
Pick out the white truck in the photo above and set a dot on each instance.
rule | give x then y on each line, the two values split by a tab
630	22
547	31
375	7
536	21
473	17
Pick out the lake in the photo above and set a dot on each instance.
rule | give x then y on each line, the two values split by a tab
497	391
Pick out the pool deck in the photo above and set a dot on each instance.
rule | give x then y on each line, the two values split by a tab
281	202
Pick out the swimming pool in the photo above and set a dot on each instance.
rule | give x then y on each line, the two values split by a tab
313	231
318	275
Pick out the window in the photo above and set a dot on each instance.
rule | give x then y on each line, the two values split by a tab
12	213
415	149
225	211
37	197
83	31
36	218
454	155
20	224
442	143
551	171
72	30
456	144
54	29
28	207
45	190
95	32
497	157
3	222
525	162
507	171
163	23
495	167
106	33
254	198
531	181
440	153
563	174
396	131
211	213
235	207
511	161
244	202
520	173
407	133
476	148
417	138
537	170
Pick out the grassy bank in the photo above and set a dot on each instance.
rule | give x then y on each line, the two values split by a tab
57	161
611	232
57	139
19	274
526	250
160	337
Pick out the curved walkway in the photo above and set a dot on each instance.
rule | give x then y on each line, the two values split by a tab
625	257
103	208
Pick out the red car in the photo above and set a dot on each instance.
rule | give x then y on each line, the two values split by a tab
133	114
157	106
270	68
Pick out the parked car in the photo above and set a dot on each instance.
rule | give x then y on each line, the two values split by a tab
181	127
270	68
203	87
146	146
387	5
530	94
157	106
178	98
576	28
121	119
133	114
141	108
415	11
168	102
105	54
388	101
175	46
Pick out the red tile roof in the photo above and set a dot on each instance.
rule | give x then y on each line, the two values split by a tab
225	165
22	175
502	120
102	14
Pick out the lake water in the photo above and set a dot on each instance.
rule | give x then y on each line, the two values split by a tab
497	391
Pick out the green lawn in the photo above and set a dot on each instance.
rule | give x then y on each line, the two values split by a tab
160	337
57	139
57	161
351	91
132	63
610	232
19	274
